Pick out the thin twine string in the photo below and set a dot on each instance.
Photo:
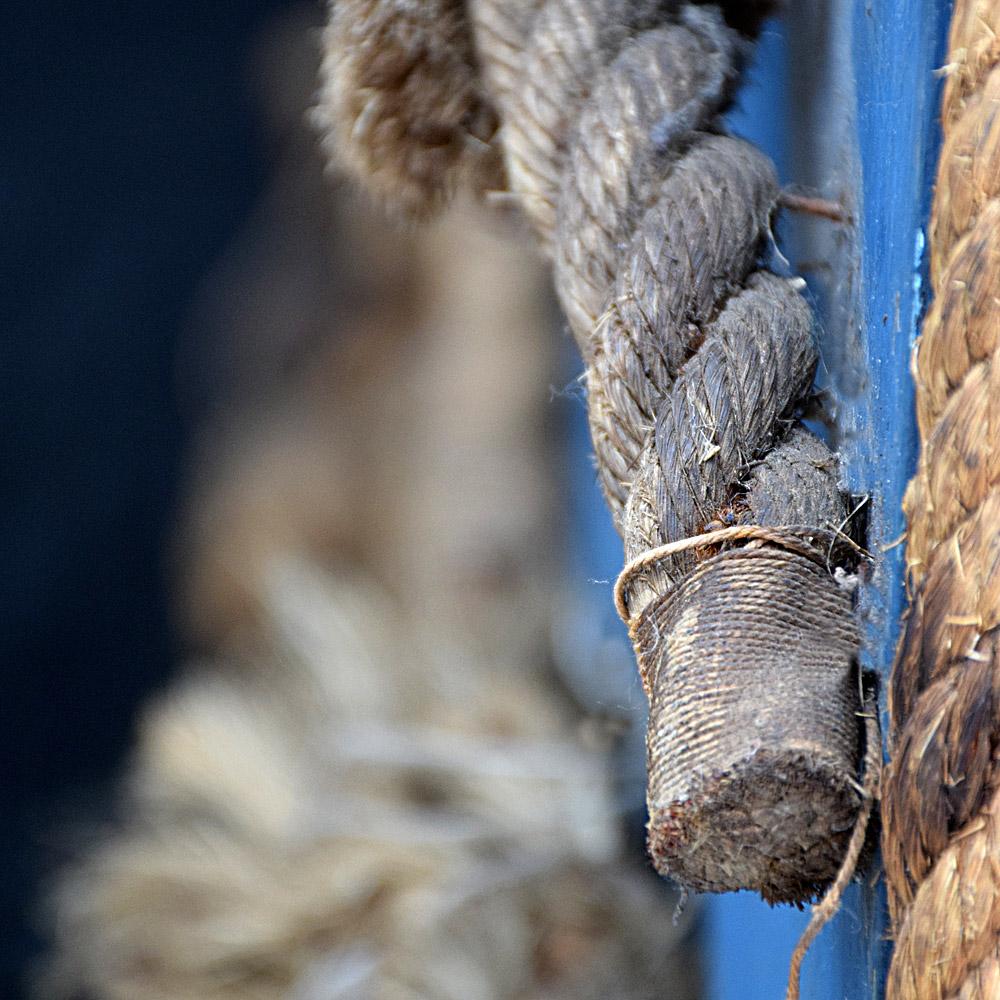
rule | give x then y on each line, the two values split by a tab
793	540
788	537
828	907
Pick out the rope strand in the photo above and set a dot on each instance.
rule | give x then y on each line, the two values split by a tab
696	361
941	806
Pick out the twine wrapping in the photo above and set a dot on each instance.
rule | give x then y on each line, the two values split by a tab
697	361
941	839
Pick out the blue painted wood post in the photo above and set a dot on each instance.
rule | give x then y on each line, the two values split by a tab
844	97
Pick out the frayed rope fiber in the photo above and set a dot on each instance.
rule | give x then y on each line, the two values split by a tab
941	807
697	362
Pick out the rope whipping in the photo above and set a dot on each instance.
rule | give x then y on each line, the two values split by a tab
698	360
941	807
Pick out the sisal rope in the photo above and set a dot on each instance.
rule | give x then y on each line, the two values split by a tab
941	805
698	360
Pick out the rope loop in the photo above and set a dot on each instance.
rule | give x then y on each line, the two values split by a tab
792	538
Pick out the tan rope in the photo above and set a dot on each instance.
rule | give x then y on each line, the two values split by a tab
401	102
697	362
941	806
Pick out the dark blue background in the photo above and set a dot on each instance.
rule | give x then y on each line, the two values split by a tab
129	157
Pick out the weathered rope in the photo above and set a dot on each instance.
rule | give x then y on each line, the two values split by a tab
941	804
697	360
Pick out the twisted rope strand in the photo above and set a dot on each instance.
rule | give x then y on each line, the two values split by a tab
941	805
696	360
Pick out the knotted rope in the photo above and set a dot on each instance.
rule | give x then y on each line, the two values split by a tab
941	807
697	361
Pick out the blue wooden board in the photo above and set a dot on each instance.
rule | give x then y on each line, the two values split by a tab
844	97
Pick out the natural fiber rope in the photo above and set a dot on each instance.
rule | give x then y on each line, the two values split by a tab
697	359
941	805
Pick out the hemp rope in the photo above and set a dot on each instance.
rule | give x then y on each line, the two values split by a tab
697	361
941	806
401	106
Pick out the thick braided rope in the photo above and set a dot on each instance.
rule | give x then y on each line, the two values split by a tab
697	358
941	807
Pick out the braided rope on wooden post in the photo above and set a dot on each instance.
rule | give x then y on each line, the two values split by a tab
941	805
697	361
